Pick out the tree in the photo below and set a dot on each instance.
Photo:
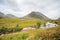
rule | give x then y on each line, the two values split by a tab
3	30
38	25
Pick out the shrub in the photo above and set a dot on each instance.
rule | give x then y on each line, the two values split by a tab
37	37
1	17
17	28
56	35
3	30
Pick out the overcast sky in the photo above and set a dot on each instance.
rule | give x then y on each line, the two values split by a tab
20	8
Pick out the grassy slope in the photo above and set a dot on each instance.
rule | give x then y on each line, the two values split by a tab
10	23
38	34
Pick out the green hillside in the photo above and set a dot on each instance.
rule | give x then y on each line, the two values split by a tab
10	29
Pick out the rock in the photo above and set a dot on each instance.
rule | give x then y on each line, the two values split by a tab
27	29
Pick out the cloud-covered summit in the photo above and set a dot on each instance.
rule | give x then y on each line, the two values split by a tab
21	8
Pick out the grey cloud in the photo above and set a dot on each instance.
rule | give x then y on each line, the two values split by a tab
48	7
45	6
12	4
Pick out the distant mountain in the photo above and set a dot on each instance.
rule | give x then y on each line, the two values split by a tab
36	15
10	16
1	14
7	15
58	19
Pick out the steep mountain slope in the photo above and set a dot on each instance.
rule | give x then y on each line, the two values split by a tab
36	15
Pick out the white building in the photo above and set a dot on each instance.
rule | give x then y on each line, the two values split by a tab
49	25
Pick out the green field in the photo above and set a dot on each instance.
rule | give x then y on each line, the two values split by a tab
10	23
14	25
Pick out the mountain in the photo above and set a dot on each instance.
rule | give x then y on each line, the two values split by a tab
1	14
58	18
7	15
36	15
10	16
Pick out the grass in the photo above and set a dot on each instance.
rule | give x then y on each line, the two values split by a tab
38	34
11	23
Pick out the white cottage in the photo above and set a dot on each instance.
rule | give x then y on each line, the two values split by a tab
49	25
